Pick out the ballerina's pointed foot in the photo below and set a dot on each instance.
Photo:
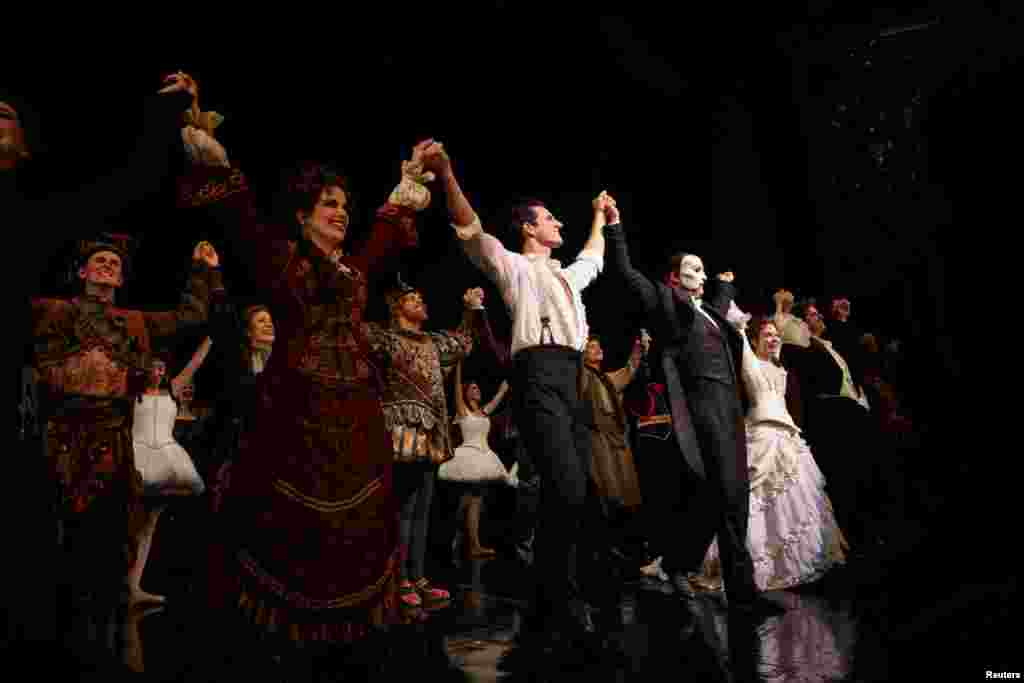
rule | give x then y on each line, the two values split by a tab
139	597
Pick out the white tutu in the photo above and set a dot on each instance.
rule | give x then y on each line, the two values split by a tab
164	465
474	461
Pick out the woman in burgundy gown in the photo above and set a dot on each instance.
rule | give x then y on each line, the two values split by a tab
311	507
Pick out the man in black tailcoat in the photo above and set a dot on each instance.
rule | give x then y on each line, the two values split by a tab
699	363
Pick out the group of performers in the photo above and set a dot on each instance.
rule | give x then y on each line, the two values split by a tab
341	426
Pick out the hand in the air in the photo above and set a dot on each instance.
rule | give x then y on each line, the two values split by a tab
205	252
474	298
727	276
180	81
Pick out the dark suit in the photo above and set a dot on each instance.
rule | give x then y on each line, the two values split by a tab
841	435
699	363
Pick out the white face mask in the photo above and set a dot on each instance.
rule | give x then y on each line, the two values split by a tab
691	273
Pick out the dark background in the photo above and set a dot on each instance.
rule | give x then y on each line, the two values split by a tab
865	152
853	150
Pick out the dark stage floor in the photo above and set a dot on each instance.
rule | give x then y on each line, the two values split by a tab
891	614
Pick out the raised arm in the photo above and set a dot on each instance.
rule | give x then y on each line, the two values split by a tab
621	378
185	376
484	251
394	228
724	293
223	192
203	291
460	401
493	404
618	261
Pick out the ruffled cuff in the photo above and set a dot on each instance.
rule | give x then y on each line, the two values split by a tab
411	193
466	232
203	149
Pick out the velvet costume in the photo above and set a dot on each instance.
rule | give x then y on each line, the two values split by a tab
88	404
310	505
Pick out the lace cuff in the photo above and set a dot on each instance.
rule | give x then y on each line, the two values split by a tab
203	149
470	231
411	191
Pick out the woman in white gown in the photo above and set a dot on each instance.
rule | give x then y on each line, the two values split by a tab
474	463
166	468
793	536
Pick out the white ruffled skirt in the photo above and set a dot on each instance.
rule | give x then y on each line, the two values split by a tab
474	465
793	536
167	469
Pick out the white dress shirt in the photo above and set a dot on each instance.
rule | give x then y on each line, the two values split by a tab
534	286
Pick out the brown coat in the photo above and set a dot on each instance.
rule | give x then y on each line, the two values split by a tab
612	466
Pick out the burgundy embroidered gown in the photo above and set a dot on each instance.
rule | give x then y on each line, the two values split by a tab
314	521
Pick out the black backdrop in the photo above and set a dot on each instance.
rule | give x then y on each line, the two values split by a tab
534	104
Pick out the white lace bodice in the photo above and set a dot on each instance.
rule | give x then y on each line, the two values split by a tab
475	429
766	386
154	420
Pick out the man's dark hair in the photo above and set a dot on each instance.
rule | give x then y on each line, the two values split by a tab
524	211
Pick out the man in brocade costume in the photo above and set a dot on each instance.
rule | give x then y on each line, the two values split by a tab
90	358
416	416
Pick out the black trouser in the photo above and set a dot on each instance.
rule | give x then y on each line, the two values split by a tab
555	434
667	485
694	511
721	506
843	439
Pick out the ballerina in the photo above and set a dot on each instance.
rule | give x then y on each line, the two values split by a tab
166	468
474	463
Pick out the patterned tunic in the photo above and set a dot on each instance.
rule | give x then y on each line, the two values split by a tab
415	409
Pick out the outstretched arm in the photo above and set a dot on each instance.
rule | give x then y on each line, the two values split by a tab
460	402
621	378
618	262
724	293
204	290
494	402
484	251
394	229
185	376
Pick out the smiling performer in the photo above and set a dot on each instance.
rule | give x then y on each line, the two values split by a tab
549	332
700	360
92	359
311	499
416	415
793	538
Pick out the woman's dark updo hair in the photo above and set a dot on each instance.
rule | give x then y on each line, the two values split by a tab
301	189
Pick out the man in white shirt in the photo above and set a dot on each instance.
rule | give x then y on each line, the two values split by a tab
549	333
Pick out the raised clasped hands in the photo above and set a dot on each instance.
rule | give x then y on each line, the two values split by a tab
436	159
783	297
417	166
727	276
205	252
474	298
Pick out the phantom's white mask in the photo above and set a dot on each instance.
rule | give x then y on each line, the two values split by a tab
691	273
